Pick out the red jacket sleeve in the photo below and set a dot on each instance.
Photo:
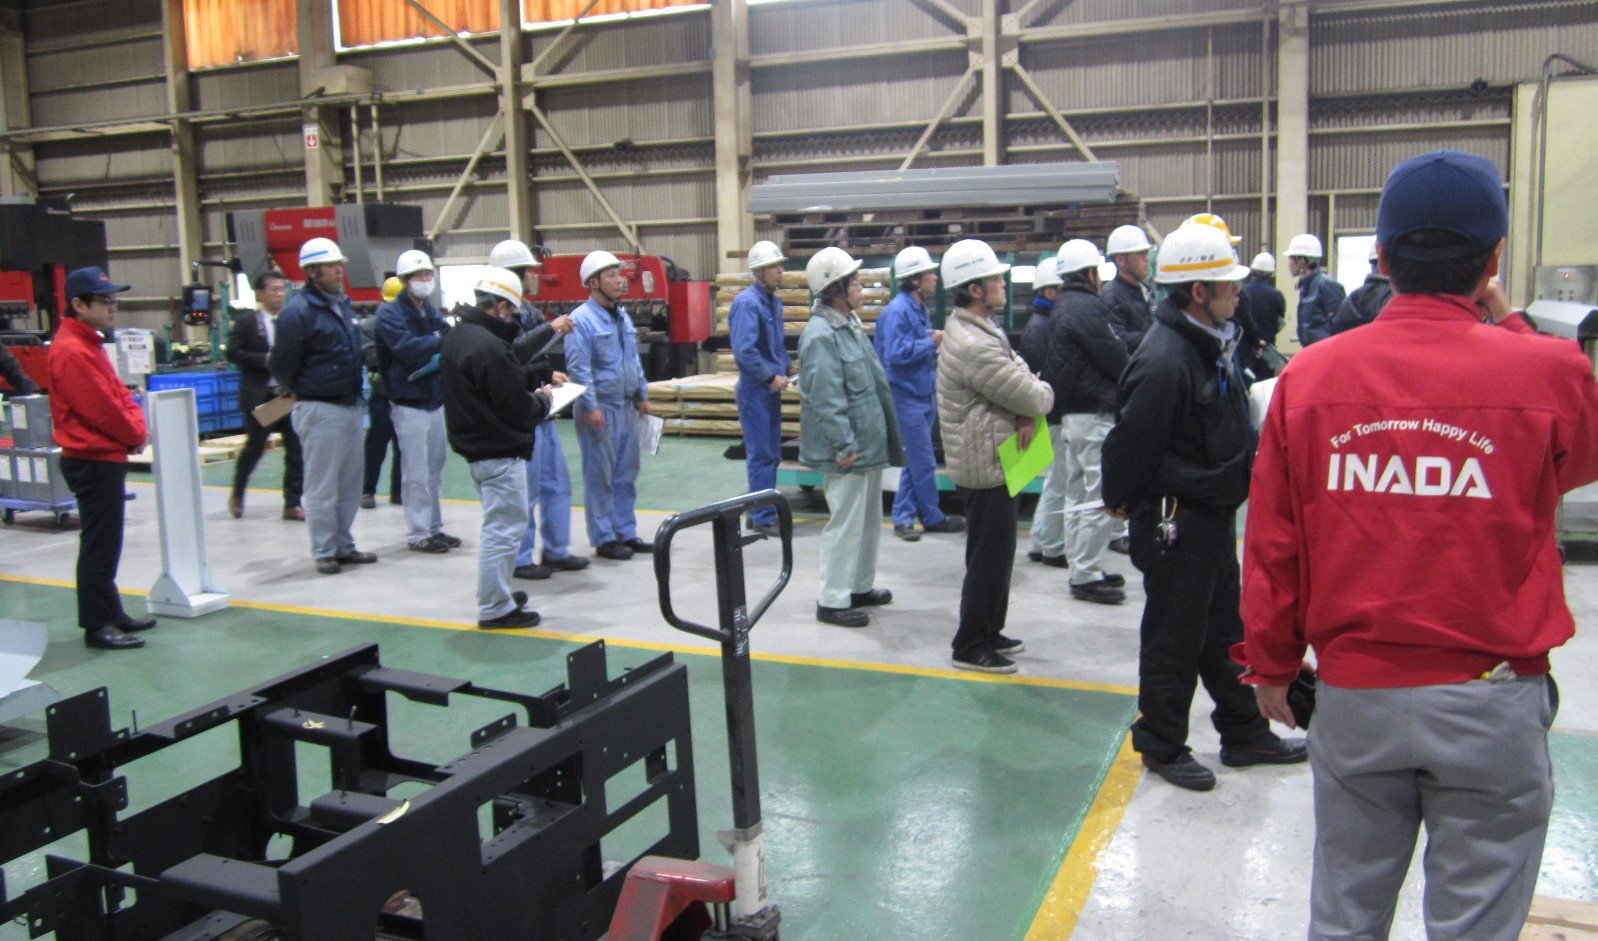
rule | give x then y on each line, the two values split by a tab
1273	642
103	402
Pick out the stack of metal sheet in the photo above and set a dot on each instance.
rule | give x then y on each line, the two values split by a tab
867	190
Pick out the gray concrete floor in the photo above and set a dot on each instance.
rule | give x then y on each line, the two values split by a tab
1232	864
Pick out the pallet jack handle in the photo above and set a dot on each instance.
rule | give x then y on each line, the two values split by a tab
752	916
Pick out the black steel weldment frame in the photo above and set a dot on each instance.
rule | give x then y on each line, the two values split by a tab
198	864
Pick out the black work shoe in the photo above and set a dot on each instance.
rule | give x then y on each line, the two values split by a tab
1115	581
570	563
984	661
1267	751
638	545
1099	592
368	501
1121	544
1184	772
950	524
1057	561
453	542
613	550
131	625
432	545
328	566
515	619
872	598
1008	645
356	557
842	617
532	572
907	533
111	637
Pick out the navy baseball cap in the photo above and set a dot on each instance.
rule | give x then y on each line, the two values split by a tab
87	281
1447	190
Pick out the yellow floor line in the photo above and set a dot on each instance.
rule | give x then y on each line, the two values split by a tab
899	669
1073	884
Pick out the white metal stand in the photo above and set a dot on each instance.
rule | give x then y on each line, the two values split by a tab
187	587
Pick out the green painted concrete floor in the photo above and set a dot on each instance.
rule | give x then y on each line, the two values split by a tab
897	806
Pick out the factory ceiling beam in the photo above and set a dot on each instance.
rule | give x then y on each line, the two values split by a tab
955	94
532	67
520	204
627	231
186	188
735	227
483	62
942	8
1014	62
492	135
1145	24
324	149
18	176
876	50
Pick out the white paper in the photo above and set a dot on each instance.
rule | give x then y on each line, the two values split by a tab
650	428
565	395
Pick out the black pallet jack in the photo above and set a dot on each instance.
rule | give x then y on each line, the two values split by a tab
668	900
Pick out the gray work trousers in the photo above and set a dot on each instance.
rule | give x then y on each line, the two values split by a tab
1469	761
849	540
502	490
1088	529
335	461
422	448
1048	519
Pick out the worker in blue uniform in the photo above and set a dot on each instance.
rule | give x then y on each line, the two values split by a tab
764	370
907	345
602	356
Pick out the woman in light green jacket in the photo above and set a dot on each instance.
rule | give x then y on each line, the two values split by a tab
848	429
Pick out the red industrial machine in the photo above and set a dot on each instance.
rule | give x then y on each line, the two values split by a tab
371	235
672	313
39	243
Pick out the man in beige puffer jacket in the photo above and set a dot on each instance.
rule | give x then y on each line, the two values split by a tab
986	393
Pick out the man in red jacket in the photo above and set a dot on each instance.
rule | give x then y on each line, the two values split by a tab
1401	522
97	425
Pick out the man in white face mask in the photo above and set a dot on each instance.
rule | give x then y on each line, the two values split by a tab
410	332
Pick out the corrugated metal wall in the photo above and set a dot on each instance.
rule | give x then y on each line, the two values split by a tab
1187	111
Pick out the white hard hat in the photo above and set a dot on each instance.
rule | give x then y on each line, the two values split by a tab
1127	239
411	262
502	283
1372	258
1047	274
1076	255
512	253
1265	262
911	262
763	253
595	262
320	252
827	267
1304	246
1198	253
1211	219
970	260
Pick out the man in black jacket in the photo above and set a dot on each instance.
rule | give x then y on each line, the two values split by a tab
1362	305
1128	294
492	420
1084	361
1177	464
249	346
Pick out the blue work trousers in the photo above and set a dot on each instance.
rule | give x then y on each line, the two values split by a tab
549	485
610	473
760	415
918	479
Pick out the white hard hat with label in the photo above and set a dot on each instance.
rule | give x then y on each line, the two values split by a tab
1198	253
1076	255
595	262
501	283
1304	246
512	253
411	262
970	260
911	262
1265	262
765	253
1046	275
320	251
827	267
1127	239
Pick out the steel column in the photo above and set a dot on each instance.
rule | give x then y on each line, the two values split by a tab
185	188
17	174
1292	136
518	164
324	163
734	144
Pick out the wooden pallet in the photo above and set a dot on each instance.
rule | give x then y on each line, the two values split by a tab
1554	919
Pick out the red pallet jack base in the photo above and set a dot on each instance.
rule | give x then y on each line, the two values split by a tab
668	900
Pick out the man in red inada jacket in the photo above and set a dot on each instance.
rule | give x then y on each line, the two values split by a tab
1402	523
97	425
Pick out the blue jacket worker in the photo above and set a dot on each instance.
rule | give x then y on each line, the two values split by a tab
602	356
764	370
1319	296
907	345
